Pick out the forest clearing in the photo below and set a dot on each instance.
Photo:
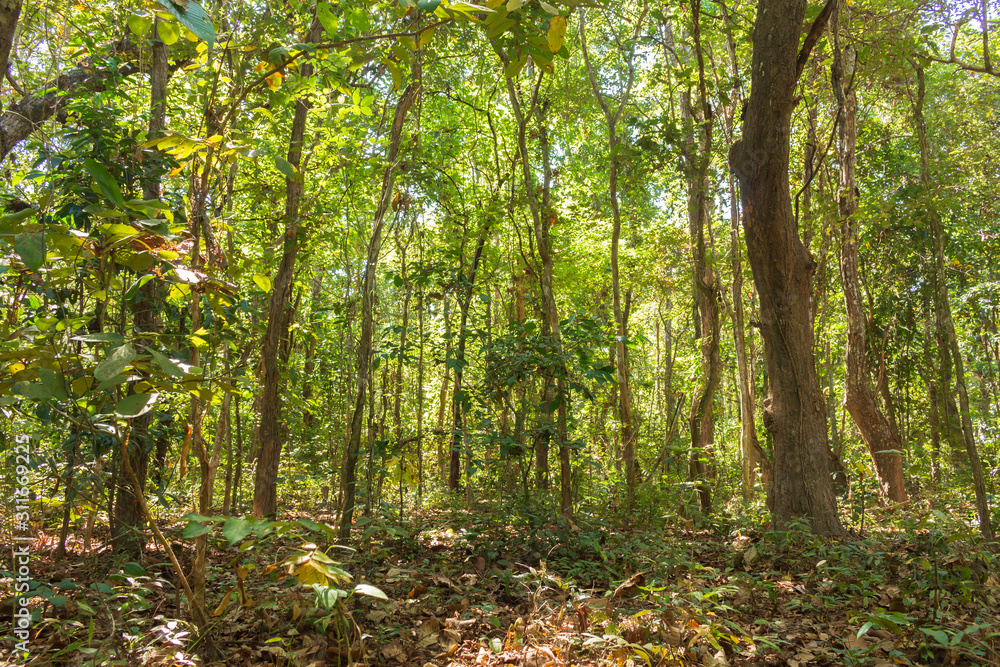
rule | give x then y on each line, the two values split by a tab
432	333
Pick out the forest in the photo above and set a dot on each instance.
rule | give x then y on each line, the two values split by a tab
542	333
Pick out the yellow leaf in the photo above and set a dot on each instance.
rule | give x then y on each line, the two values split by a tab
425	37
557	32
221	609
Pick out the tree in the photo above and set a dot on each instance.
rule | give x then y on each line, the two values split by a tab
782	272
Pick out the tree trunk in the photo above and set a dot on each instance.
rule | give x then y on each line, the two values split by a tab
271	431
28	113
128	511
10	11
782	272
349	479
706	285
308	418
457	398
946	324
881	438
625	404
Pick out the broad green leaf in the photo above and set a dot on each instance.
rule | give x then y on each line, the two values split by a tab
548	8
262	281
428	5
139	25
286	167
556	34
193	17
134	570
235	529
115	363
105	181
54	382
167	32
194	529
370	591
100	338
515	67
33	390
514	5
166	364
31	249
327	18
136	405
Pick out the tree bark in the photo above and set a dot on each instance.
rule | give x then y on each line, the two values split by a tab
946	324
10	11
705	283
782	272
349	479
270	431
25	115
611	118
880	437
128	511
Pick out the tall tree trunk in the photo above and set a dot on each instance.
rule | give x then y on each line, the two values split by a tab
706	285
457	398
398	380
349	479
308	418
128	510
782	272
271	431
611	118
543	217
942	306
881	438
753	459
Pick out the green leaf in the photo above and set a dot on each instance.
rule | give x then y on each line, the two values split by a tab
262	281
327	18
32	390
31	249
135	405
115	363
192	16
134	570
195	529
548	8
286	167
515	67
53	381
428	5
166	364
100	338
236	529
139	25
105	181
370	591
168	32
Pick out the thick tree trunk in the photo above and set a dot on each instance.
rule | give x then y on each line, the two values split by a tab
271	432
10	10
24	116
782	271
946	324
881	438
349	474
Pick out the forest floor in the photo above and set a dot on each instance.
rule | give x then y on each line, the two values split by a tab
486	588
